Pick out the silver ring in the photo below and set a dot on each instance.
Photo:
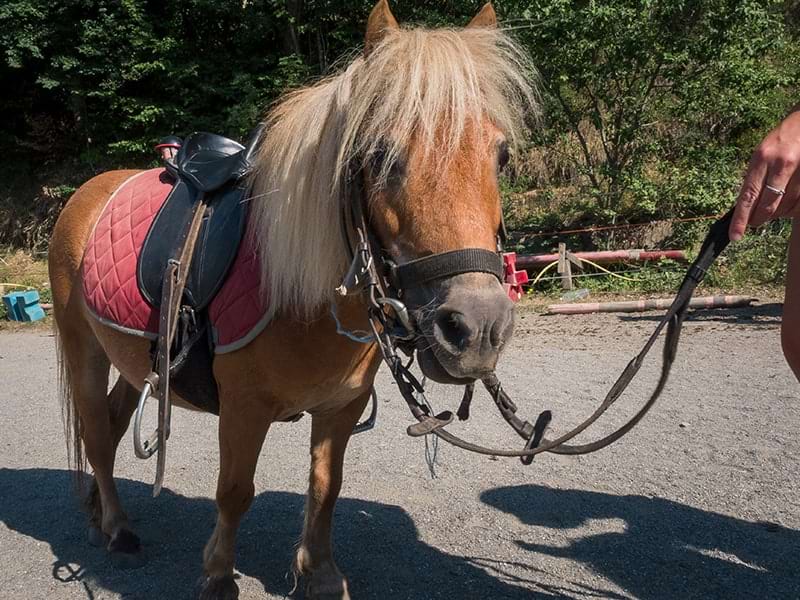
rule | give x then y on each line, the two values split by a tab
775	190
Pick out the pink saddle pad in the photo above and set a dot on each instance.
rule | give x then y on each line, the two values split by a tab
109	270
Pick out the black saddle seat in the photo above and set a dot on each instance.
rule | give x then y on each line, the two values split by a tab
215	167
208	161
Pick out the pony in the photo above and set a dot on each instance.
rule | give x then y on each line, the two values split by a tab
428	116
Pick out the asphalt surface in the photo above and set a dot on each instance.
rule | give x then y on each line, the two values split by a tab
700	501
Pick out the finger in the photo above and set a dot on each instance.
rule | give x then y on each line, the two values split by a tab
789	207
790	203
773	193
748	196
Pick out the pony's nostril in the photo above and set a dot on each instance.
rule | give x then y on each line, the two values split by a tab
455	329
501	329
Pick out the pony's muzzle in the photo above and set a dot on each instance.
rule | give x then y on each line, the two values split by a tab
470	329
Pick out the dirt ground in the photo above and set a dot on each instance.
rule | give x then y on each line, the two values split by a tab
700	501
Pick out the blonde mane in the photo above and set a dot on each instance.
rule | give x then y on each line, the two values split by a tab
411	84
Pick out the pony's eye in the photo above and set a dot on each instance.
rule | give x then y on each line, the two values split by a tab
378	164
503	156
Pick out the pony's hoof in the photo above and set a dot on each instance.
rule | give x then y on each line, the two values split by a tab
96	537
218	588
125	550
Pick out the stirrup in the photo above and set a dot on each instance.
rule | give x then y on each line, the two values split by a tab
369	423
147	448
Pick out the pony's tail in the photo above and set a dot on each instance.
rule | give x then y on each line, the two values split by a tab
69	416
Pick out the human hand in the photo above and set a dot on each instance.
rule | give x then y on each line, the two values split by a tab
771	186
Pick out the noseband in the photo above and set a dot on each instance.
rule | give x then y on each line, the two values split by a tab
383	281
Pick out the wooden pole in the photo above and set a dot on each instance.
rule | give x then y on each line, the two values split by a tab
645	305
564	267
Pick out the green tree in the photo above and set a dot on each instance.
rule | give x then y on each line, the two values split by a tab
659	97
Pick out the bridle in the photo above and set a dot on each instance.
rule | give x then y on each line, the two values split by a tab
383	282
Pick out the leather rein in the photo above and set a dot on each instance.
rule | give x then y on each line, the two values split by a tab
382	281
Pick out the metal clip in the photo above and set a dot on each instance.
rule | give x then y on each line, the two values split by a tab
401	312
177	263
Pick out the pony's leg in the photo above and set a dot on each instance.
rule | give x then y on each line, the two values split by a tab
330	433
122	400
243	425
88	369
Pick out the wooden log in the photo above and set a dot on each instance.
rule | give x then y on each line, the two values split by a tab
645	305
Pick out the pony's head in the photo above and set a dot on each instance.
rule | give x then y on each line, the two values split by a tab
428	117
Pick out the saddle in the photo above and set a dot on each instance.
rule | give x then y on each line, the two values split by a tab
185	258
208	169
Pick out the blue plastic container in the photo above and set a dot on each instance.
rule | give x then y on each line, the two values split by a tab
23	306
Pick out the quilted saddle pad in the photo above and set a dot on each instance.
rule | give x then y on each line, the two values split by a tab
237	313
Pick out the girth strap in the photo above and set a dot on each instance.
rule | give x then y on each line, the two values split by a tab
447	264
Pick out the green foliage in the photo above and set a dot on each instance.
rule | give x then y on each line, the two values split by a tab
760	258
658	103
101	80
651	107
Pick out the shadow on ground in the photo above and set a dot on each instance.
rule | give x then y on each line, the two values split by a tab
761	314
657	549
377	545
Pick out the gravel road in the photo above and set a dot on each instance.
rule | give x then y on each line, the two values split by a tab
700	501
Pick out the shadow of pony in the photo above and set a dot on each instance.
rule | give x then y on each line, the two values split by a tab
377	545
666	550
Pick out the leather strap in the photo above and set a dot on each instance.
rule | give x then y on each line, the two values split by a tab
174	283
446	264
714	245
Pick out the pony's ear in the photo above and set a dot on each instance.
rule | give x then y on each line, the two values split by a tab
380	21
486	18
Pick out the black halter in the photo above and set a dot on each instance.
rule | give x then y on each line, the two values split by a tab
384	282
441	266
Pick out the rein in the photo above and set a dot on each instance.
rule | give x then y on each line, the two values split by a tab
383	282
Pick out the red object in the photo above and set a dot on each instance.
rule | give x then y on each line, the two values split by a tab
237	312
109	264
109	270
537	261
513	279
